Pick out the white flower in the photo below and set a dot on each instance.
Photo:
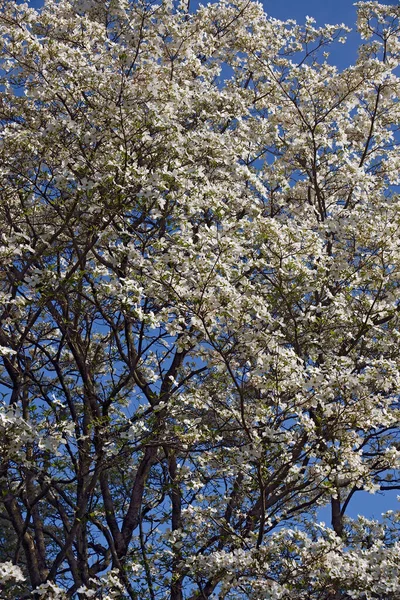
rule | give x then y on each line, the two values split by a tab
8	572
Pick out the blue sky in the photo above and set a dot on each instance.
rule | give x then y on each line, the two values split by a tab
328	11
324	11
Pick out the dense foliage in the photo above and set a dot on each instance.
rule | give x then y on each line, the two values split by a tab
199	280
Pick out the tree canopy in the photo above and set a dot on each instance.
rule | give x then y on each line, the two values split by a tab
199	281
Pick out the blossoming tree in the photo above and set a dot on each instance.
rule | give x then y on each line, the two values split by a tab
200	302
